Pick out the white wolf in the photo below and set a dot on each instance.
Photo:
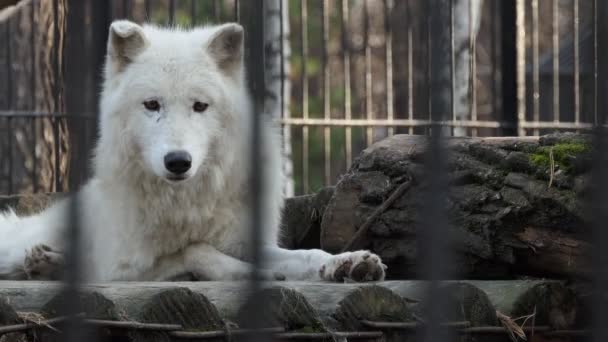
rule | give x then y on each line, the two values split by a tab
170	188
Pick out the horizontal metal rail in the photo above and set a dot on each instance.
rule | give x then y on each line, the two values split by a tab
427	123
354	122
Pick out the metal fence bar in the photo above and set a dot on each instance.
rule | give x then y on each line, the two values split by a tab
473	66
521	63
305	133
410	66
127	9
9	128
452	64
33	105
193	12
217	11
369	106
147	9
556	109
535	64
171	12
348	143
326	92
256	11
237	15
509	52
598	202
9	102
595	63
432	243
56	93
388	36
577	62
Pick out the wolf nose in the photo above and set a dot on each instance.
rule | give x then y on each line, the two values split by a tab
178	162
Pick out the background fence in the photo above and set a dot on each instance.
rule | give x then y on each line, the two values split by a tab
349	73
356	71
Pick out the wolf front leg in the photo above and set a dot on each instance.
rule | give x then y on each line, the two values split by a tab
206	262
315	264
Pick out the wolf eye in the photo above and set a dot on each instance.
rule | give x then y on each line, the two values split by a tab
152	105
199	107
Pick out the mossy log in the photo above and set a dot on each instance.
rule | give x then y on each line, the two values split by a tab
514	205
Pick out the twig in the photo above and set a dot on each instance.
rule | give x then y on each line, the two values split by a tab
222	333
411	325
131	325
31	324
385	205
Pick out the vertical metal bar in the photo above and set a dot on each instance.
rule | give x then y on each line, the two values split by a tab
535	65
494	52
599	183
217	10
11	179
369	136
326	91
305	133
193	12
347	90
433	245
147	9
9	64
126	9
473	66
577	62
255	25
410	67
284	113
9	103
171	12
32	90
521	64
429	98
509	39
452	66
56	89
556	109
388	36
595	64
237	16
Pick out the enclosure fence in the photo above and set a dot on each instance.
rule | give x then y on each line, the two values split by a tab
356	72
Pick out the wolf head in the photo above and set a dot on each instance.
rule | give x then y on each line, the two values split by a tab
169	96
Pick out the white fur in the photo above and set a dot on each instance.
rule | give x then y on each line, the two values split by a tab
138	225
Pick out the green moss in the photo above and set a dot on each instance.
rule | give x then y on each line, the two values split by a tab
562	154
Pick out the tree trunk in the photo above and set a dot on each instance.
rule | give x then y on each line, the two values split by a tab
38	158
278	86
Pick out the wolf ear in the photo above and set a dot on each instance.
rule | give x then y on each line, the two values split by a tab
126	40
226	46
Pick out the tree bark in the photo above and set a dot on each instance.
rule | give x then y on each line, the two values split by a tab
510	213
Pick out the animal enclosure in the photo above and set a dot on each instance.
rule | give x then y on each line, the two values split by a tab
339	76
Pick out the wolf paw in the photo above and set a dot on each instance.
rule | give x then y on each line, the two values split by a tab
357	266
43	263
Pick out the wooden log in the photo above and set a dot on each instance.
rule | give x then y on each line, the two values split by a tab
507	199
281	307
93	304
300	305
193	311
551	302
